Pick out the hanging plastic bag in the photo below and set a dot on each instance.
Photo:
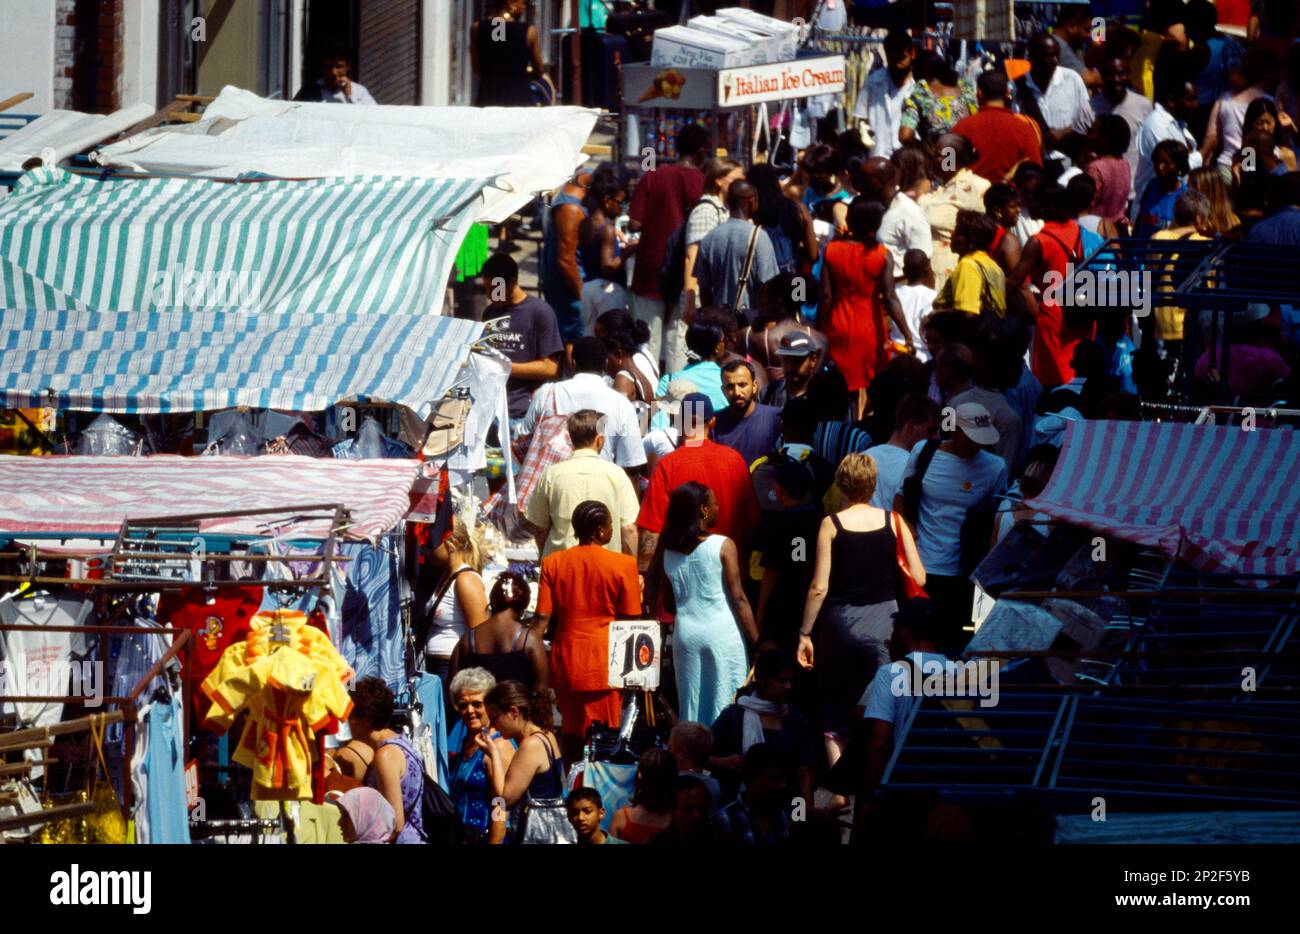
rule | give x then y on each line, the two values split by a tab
232	433
107	437
370	441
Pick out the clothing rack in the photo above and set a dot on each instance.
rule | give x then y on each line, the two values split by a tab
255	827
186	526
1204	412
38	736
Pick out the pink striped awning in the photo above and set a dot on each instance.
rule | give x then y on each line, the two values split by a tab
1221	498
94	494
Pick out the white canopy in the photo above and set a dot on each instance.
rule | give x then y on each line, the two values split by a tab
527	149
61	133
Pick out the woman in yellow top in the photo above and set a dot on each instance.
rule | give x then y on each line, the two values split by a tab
1191	222
977	284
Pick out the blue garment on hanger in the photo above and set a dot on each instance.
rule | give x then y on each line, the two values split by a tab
428	691
347	449
164	769
371	609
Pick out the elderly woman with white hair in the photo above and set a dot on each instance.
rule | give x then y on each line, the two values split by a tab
471	788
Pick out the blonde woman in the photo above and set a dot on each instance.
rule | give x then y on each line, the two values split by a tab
1209	182
854	580
460	601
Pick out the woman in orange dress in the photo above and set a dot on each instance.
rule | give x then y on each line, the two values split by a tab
857	292
586	588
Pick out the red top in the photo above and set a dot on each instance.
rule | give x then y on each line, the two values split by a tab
719	468
659	205
856	333
1001	139
587	587
213	627
1054	338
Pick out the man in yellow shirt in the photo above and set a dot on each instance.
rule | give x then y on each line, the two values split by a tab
584	476
977	284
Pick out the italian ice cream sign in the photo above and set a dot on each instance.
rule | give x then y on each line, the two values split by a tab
806	77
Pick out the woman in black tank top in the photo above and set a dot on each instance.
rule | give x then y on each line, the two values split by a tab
503	644
503	49
851	600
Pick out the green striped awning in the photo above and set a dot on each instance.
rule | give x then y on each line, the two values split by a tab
357	245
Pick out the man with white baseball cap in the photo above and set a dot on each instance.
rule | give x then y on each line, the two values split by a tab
948	495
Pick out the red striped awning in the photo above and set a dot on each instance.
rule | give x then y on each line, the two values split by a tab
94	494
1221	498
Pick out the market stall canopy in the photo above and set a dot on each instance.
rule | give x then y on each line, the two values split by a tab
95	494
179	361
527	149
61	133
359	245
1221	498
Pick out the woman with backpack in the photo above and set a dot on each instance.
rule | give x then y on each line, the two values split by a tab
1045	262
397	771
709	212
788	223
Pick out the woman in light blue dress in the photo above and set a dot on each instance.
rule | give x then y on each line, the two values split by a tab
712	613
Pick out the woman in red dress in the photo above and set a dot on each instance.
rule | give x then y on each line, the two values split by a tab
1045	263
857	292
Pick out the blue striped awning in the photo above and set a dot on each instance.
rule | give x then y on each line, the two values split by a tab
356	245
178	361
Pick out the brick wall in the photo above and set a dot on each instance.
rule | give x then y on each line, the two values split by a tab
93	32
65	34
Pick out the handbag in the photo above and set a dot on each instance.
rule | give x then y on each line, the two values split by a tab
438	814
544	820
905	585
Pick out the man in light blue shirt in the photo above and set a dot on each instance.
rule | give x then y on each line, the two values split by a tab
728	272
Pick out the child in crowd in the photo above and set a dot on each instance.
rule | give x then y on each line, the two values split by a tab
586	813
1156	207
916	297
691	745
651	809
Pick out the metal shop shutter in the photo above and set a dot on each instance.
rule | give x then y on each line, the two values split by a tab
388	50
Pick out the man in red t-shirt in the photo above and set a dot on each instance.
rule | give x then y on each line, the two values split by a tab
662	200
717	466
1002	139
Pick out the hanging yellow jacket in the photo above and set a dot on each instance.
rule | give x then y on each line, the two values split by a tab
292	689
